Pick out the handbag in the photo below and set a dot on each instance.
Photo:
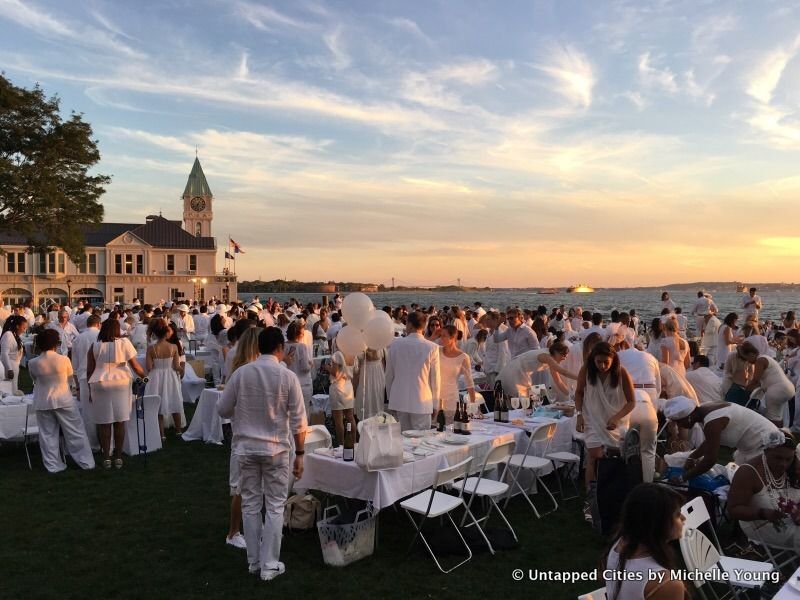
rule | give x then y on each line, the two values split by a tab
301	512
380	445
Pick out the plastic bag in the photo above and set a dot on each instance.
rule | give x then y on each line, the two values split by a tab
380	445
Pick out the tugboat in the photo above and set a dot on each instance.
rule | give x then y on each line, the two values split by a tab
581	288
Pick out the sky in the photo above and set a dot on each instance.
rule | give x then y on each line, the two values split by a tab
507	144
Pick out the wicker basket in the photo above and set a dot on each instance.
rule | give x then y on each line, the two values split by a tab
344	543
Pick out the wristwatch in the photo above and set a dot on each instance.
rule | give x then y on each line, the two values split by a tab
299	452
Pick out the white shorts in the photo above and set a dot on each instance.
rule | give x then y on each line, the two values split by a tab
235	476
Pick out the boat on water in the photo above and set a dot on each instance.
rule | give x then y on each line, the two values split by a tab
548	291
581	288
742	288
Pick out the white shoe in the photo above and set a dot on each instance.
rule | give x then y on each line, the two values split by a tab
270	574
237	541
256	568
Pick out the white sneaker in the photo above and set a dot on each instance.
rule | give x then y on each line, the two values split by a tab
237	541
270	574
256	568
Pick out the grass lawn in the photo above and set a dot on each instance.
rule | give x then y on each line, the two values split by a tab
158	531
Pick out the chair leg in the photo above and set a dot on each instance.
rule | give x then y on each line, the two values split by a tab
549	493
523	491
430	550
468	512
27	454
502	516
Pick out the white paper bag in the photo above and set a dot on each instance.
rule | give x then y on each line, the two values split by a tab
380	445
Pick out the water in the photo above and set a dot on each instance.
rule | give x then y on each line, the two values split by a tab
646	302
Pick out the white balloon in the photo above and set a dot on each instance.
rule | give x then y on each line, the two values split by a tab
382	314
379	332
357	309
350	340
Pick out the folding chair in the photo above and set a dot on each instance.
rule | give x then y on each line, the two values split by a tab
522	462
317	436
432	503
193	346
16	428
490	489
700	554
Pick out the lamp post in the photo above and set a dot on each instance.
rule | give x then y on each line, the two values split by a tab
69	292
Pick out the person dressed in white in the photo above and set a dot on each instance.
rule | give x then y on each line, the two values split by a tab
110	381
703	307
55	407
475	347
164	368
727	339
81	346
705	382
266	403
4	312
769	376
412	376
370	377
66	331
752	304
708	343
667	302
184	323
516	375
497	354
302	363
11	349
341	393
674	349
519	336
453	364
201	321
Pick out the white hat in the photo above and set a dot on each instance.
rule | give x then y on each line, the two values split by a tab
183	308
679	407
256	305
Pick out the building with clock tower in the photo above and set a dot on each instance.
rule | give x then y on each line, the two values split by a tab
197	198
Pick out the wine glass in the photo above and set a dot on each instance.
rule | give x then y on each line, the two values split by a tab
515	403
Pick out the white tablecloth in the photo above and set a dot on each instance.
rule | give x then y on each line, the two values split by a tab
206	423
5	430
788	592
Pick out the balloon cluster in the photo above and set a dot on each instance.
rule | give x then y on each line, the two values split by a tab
366	327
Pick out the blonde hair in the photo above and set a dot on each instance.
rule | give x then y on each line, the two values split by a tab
671	325
246	349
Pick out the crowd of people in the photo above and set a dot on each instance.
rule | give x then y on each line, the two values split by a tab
725	386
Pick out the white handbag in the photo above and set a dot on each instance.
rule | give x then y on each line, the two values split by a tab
380	445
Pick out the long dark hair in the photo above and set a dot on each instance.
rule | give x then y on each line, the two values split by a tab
12	324
592	373
729	319
109	330
656	328
174	339
217	324
646	523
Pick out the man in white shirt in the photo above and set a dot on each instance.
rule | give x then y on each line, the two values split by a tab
201	322
703	306
519	336
412	376
751	303
81	346
80	316
335	328
479	311
266	403
184	324
683	321
708	344
496	353
596	327
707	384
66	330
27	312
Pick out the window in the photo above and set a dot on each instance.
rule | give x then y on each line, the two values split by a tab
198	230
170	262
93	264
175	293
193	262
15	261
119	294
140	264
62	263
88	264
47	262
140	294
118	263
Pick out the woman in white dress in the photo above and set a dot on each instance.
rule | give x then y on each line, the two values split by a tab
370	383
11	349
604	398
727	338
656	335
674	349
164	371
516	375
56	410
215	328
476	348
667	303
756	491
768	375
302	363
110	387
453	363
341	393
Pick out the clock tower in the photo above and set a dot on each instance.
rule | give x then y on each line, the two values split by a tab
197	199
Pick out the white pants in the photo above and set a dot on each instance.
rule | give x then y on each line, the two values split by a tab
88	415
644	415
264	483
700	322
69	421
413	420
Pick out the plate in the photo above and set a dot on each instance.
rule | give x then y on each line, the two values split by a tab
416	433
455	441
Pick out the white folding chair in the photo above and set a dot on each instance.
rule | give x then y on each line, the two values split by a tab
700	554
317	436
432	503
598	594
520	463
482	487
16	428
780	556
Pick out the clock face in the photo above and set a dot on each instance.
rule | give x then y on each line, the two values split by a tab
198	204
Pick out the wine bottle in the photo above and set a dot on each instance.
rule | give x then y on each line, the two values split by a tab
440	420
466	427
348	452
498	397
457	418
504	409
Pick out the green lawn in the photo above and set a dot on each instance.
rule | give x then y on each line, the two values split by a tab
158	531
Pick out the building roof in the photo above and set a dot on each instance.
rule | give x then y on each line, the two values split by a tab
197	185
157	231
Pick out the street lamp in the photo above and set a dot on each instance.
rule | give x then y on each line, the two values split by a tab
69	292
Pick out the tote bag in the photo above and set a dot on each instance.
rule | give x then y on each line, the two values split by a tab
380	445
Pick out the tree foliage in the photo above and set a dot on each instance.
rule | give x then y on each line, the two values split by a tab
46	192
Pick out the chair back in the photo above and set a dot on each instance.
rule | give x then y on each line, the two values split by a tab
198	366
698	552
695	512
14	421
450	474
317	436
499	454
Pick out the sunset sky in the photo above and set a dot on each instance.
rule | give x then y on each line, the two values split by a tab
504	143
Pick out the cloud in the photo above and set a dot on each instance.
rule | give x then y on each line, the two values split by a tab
767	75
411	27
709	31
654	77
335	43
572	72
469	72
267	18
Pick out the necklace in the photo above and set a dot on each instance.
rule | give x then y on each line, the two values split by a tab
772	483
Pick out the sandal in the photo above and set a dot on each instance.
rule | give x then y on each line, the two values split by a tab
118	463
107	464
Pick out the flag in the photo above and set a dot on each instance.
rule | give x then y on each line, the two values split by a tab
229	256
237	249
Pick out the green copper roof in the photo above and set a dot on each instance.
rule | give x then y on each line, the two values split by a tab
197	184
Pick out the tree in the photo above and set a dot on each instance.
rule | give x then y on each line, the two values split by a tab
46	192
